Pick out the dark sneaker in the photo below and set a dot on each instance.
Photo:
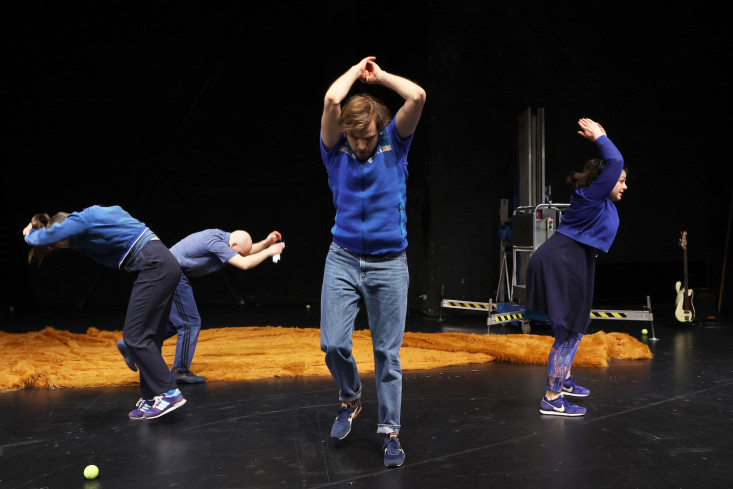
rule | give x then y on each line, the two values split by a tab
560	407
164	404
394	456
126	355
140	408
186	377
570	388
342	425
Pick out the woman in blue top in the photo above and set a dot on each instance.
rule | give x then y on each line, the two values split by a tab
113	238
560	273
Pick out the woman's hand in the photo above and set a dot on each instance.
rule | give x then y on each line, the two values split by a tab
590	129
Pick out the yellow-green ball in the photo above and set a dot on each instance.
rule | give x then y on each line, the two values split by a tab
91	472
308	306
644	331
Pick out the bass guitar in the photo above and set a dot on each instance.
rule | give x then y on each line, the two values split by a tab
684	311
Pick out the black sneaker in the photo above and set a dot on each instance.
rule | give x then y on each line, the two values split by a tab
186	377
394	456
126	355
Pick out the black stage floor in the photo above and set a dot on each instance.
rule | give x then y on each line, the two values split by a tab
660	423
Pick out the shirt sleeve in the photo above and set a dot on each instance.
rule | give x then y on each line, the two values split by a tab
221	250
400	146
613	165
73	225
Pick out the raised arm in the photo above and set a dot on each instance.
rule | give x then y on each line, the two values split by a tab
254	259
409	114
332	101
271	239
611	156
57	233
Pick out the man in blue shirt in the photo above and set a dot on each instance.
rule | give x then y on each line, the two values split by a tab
200	254
365	151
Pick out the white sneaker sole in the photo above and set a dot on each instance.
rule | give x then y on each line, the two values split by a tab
171	408
557	413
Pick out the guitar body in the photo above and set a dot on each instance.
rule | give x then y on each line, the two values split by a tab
684	311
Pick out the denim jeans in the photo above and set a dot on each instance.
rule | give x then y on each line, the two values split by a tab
379	283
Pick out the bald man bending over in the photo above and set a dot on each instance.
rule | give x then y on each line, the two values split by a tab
200	254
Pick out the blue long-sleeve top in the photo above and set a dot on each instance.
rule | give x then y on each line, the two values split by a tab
592	218
105	234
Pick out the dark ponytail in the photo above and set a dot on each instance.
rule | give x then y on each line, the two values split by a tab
591	171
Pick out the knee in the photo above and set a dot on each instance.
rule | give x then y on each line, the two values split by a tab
337	352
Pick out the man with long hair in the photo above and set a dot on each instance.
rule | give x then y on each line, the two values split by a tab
365	151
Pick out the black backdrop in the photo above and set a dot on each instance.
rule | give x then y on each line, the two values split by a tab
194	115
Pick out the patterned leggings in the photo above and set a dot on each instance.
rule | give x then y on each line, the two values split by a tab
561	356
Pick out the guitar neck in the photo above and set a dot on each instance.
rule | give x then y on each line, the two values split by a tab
684	263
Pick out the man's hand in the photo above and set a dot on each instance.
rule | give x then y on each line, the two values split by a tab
273	237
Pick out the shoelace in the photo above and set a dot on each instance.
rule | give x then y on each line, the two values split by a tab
143	405
343	414
392	446
159	402
346	410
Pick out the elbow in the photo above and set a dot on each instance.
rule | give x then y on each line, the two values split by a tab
419	96
329	101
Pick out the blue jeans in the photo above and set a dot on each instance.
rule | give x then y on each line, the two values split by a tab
379	283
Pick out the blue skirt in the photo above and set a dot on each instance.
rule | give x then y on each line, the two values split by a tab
560	277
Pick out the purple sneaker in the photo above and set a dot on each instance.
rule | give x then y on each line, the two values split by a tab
570	388
141	408
560	407
164	404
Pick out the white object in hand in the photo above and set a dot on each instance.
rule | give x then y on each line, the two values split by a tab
276	258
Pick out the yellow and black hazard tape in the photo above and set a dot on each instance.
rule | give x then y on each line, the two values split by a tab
610	314
507	317
470	305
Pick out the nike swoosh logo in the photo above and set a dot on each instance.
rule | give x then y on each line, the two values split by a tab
567	390
560	409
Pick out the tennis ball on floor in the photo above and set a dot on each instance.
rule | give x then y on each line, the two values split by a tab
644	331
91	471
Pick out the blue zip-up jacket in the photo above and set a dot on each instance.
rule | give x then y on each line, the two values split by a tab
369	197
592	218
105	234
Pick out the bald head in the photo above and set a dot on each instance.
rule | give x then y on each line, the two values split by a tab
241	242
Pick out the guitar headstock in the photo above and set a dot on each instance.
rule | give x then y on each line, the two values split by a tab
683	240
